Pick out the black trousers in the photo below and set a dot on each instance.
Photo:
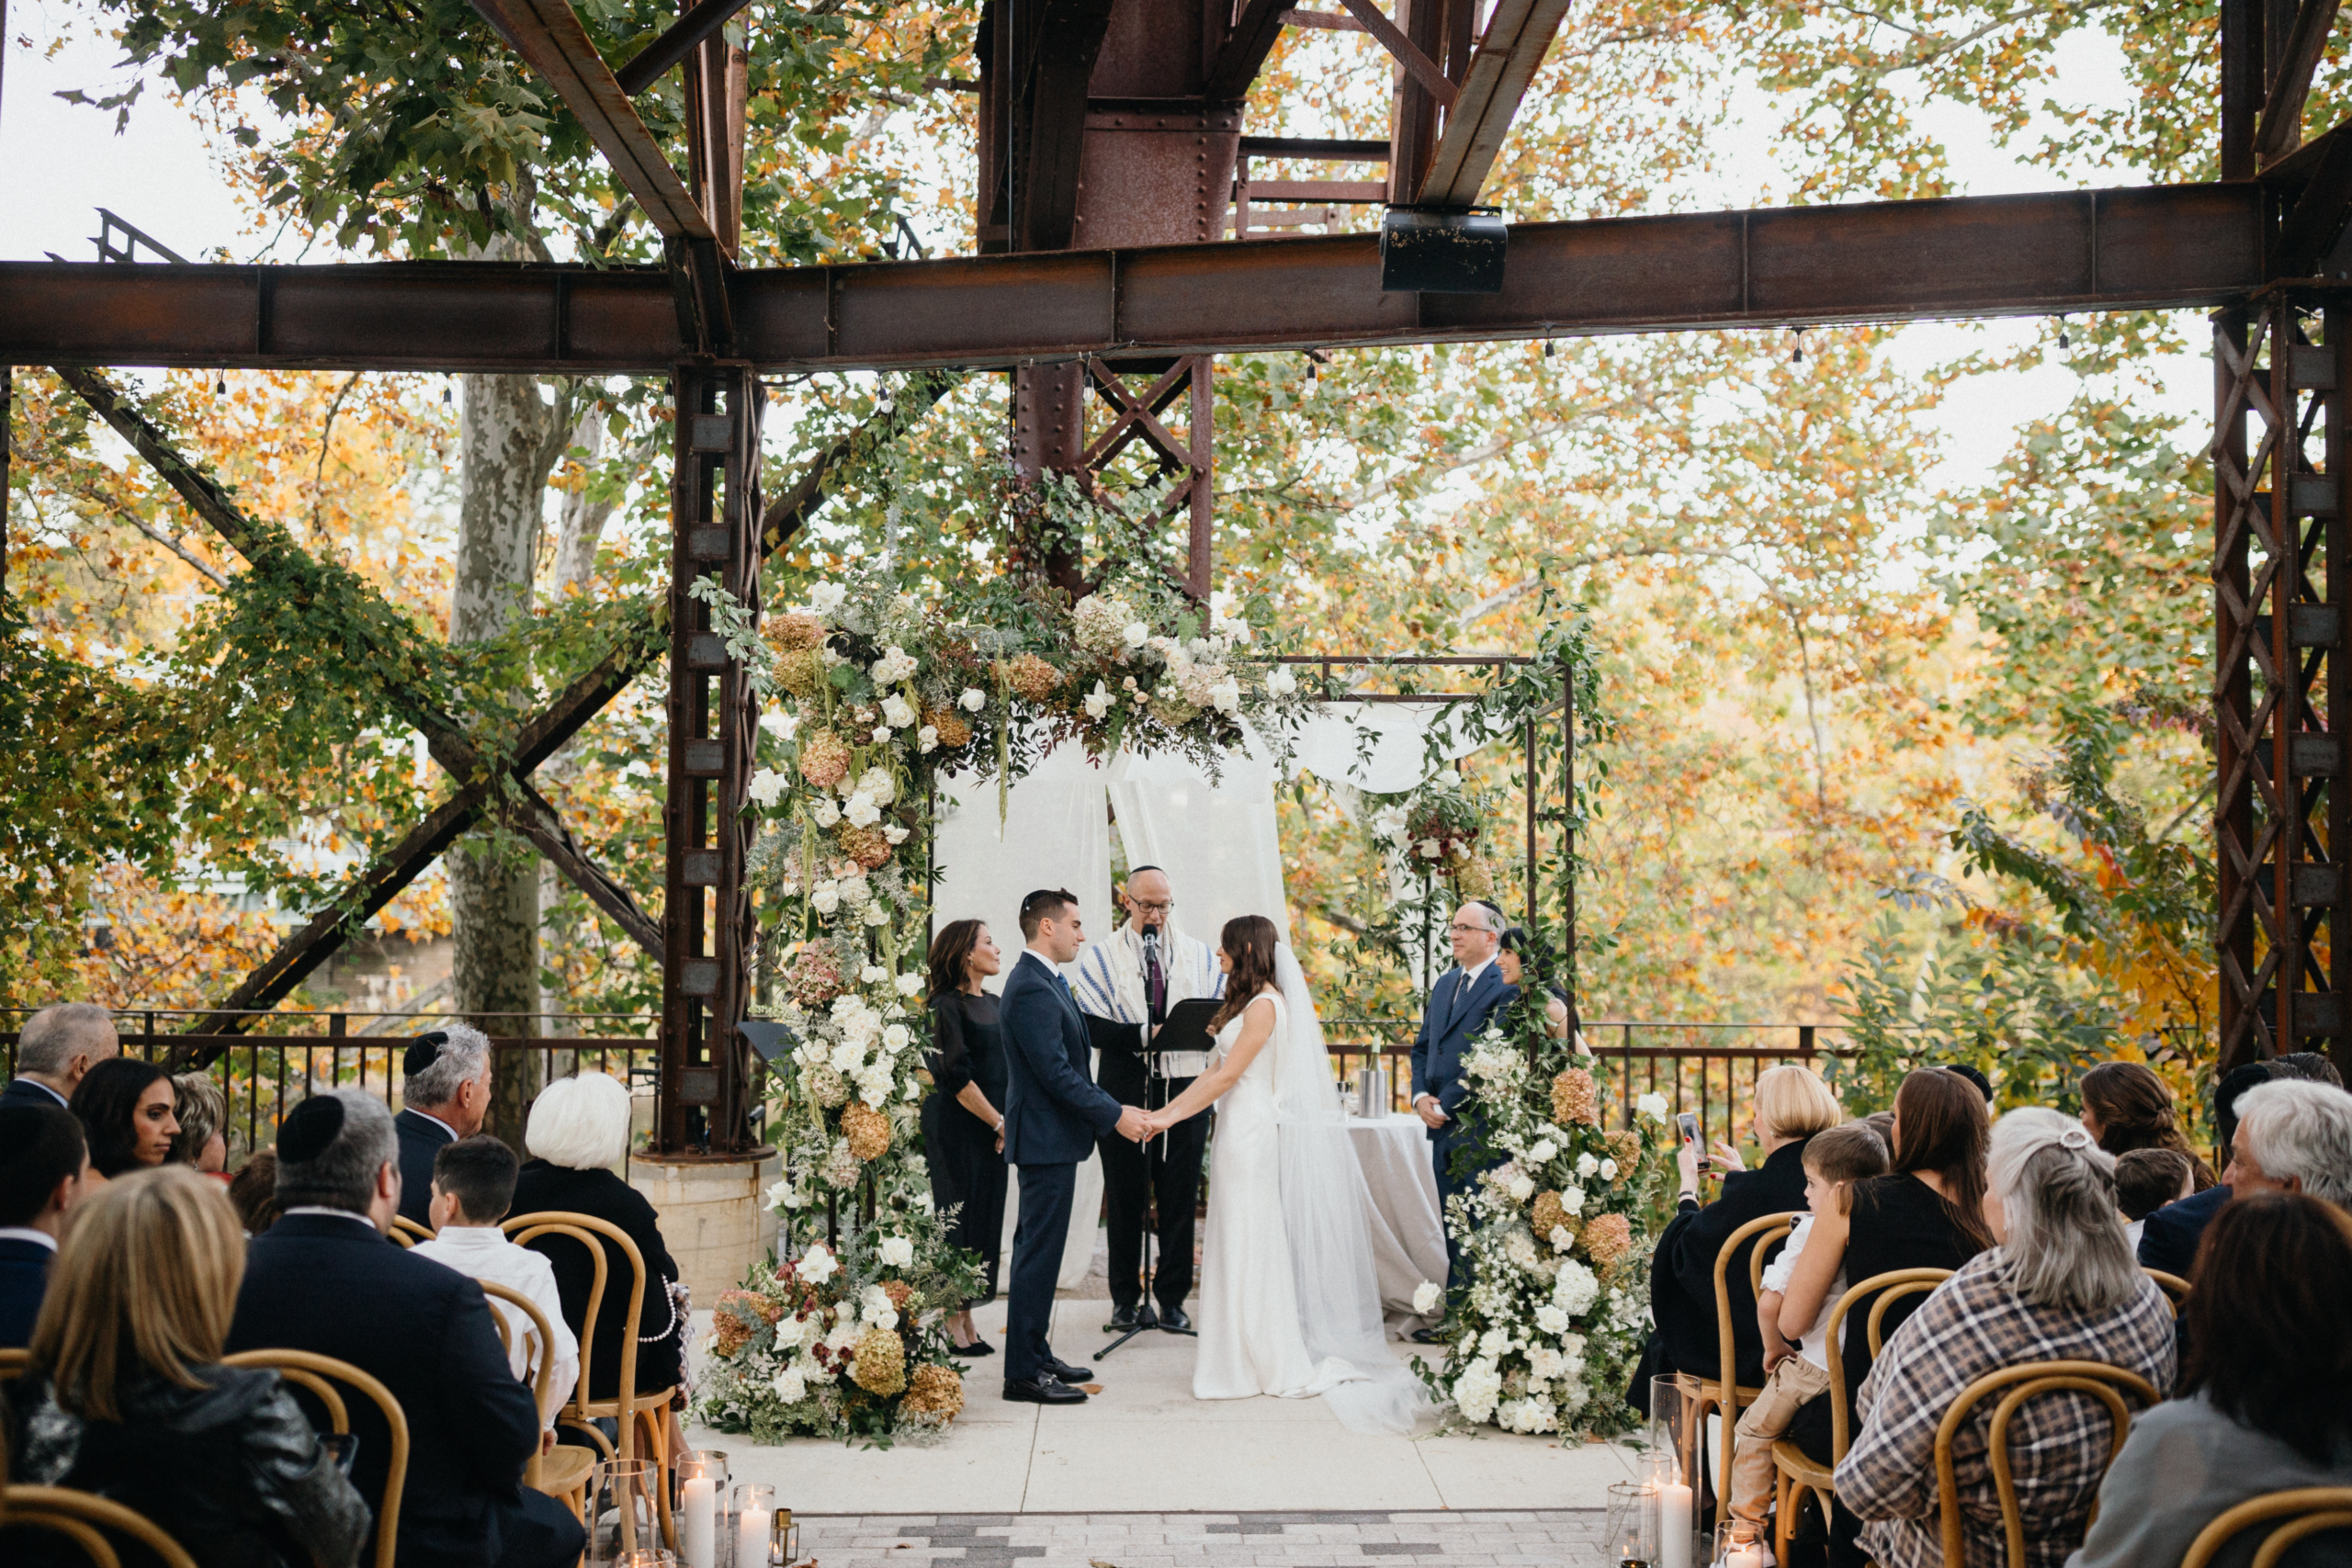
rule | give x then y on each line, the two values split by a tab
538	1533
1038	1237
1167	1169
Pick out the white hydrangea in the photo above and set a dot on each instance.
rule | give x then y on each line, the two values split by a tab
1522	1187
910	984
1476	1391
825	812
791	1384
854	891
1543	1363
1577	1288
878	786
876	914
768	786
896	1251
843	1335
1519	1247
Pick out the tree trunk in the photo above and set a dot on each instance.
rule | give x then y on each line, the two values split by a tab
508	439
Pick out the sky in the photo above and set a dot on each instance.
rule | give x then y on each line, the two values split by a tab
59	161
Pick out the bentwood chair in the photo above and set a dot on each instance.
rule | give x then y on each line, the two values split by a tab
318	1375
1800	1477
85	1519
2175	1288
1727	1395
637	1415
408	1233
15	1363
2033	1380
2307	1509
564	1472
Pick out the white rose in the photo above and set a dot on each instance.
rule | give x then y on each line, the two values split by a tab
862	812
1587	1164
791	1386
973	700
910	984
1427	1297
1543	1151
877	914
881	734
1280	681
826	897
790	1332
896	835
872	974
1651	1106
848	1057
927	737
825	598
1098	700
826	812
895	712
1561	1238
895	1036
1609	1170
1426	849
768	786
1522	1188
1134	634
818	1264
1572	1200
781	1196
1551	1320
1494	1343
1226	696
897	1251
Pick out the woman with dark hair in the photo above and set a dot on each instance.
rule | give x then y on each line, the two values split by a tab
2266	1399
2127	1107
125	1106
1514	958
963	1126
1926	1212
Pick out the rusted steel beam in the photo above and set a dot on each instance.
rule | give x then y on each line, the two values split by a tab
1245	50
2280	130
1054	55
652	62
2141	248
1407	53
1501	69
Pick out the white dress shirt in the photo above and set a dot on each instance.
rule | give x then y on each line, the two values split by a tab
26	1233
484	1253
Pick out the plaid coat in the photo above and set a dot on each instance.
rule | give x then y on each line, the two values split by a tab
1973	1325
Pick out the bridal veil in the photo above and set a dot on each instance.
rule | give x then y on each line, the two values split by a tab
1324	1203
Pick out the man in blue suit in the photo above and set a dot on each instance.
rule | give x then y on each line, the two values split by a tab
1052	1113
1460	1004
42	1161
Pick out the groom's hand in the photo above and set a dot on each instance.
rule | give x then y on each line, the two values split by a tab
1134	1125
1431	1117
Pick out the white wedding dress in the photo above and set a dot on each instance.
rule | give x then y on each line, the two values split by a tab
1289	1305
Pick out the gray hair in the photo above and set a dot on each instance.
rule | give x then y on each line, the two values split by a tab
2303	1129
342	1174
2065	1246
55	1035
201	1110
464	1059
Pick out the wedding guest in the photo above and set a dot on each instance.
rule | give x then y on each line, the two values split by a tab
125	1107
253	1191
2058	1284
2294	1137
2127	1107
202	1113
1131	977
2146	1180
1926	1212
2310	1150
2266	1395
56	1048
1791	1105
1460	1003
1975	1075
324	1280
445	1094
127	1397
963	1126
42	1160
473	1186
2169	1240
1513	956
577	1131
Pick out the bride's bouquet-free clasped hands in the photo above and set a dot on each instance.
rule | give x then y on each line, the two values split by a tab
1558	1247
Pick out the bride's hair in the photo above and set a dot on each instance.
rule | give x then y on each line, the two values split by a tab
1249	941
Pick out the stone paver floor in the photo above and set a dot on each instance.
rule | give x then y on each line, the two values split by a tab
1570	1537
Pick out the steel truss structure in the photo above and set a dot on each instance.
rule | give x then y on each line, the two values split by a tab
1113	162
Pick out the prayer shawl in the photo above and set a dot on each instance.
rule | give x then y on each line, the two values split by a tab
1110	983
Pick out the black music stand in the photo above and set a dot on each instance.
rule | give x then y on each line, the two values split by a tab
1186	1030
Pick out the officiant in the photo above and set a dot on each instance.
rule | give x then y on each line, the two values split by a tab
1135	974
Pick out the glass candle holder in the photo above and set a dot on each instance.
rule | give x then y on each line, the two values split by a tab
751	1523
1741	1544
1678	1441
624	1515
1626	1539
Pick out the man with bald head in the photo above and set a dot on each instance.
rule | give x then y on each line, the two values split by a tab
59	1045
1459	1006
1132	977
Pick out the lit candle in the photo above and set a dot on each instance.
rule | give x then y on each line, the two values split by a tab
1674	1526
699	1528
752	1538
1745	1557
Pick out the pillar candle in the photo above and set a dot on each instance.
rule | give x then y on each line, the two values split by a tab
1674	1526
698	1529
752	1538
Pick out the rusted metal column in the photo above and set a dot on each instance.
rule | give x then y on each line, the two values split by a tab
2240	772
2242	85
7	377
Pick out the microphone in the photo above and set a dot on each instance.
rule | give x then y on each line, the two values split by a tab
1151	957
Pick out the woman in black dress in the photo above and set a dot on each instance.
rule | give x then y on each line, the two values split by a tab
963	1128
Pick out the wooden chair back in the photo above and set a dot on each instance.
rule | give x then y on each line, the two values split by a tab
1729	1396
318	1374
545	1375
581	1410
84	1518
1890	1287
2175	1288
2307	1509
408	1233
15	1364
2031	1379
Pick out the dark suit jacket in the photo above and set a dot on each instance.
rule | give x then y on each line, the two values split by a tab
24	1279
332	1286
1052	1108
23	1091
421	1138
2168	1241
1452	1019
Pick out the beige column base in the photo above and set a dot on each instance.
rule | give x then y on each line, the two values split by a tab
714	1215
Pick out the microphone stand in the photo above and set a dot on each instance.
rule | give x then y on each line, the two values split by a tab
1154	1085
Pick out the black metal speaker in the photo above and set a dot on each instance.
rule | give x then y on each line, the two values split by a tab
1442	253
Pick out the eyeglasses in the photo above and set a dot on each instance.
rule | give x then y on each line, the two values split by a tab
1140	907
1458	927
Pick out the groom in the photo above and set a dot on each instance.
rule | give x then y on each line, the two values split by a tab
1459	1006
1052	1113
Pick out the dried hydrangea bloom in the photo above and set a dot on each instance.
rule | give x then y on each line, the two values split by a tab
824	758
867	1130
881	1364
1575	1100
1607	1239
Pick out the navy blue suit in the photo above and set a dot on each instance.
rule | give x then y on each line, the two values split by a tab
2168	1240
421	1137
24	1280
23	1091
330	1285
1052	1113
1457	1015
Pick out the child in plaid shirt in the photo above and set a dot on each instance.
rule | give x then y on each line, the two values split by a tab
1834	1161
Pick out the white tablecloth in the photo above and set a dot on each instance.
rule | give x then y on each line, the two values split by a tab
1408	1236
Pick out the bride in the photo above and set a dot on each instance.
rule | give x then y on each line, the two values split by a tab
1289	1305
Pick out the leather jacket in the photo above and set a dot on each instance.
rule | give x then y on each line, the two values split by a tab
232	1471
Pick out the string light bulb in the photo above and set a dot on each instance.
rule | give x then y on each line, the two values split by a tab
2063	344
1550	348
1797	356
220	383
445	399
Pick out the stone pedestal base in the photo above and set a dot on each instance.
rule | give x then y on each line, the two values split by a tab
714	1215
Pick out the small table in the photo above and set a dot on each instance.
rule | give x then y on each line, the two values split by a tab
1407	1232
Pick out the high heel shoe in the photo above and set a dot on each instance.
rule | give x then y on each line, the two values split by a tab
976	1347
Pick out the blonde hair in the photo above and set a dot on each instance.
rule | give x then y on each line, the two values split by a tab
1794	1103
146	1280
580	1122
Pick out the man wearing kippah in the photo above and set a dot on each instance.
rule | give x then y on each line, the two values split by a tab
446	1086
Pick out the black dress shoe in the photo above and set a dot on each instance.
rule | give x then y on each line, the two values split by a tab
1044	1389
976	1347
1124	1318
1428	1335
1074	1376
1173	1320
